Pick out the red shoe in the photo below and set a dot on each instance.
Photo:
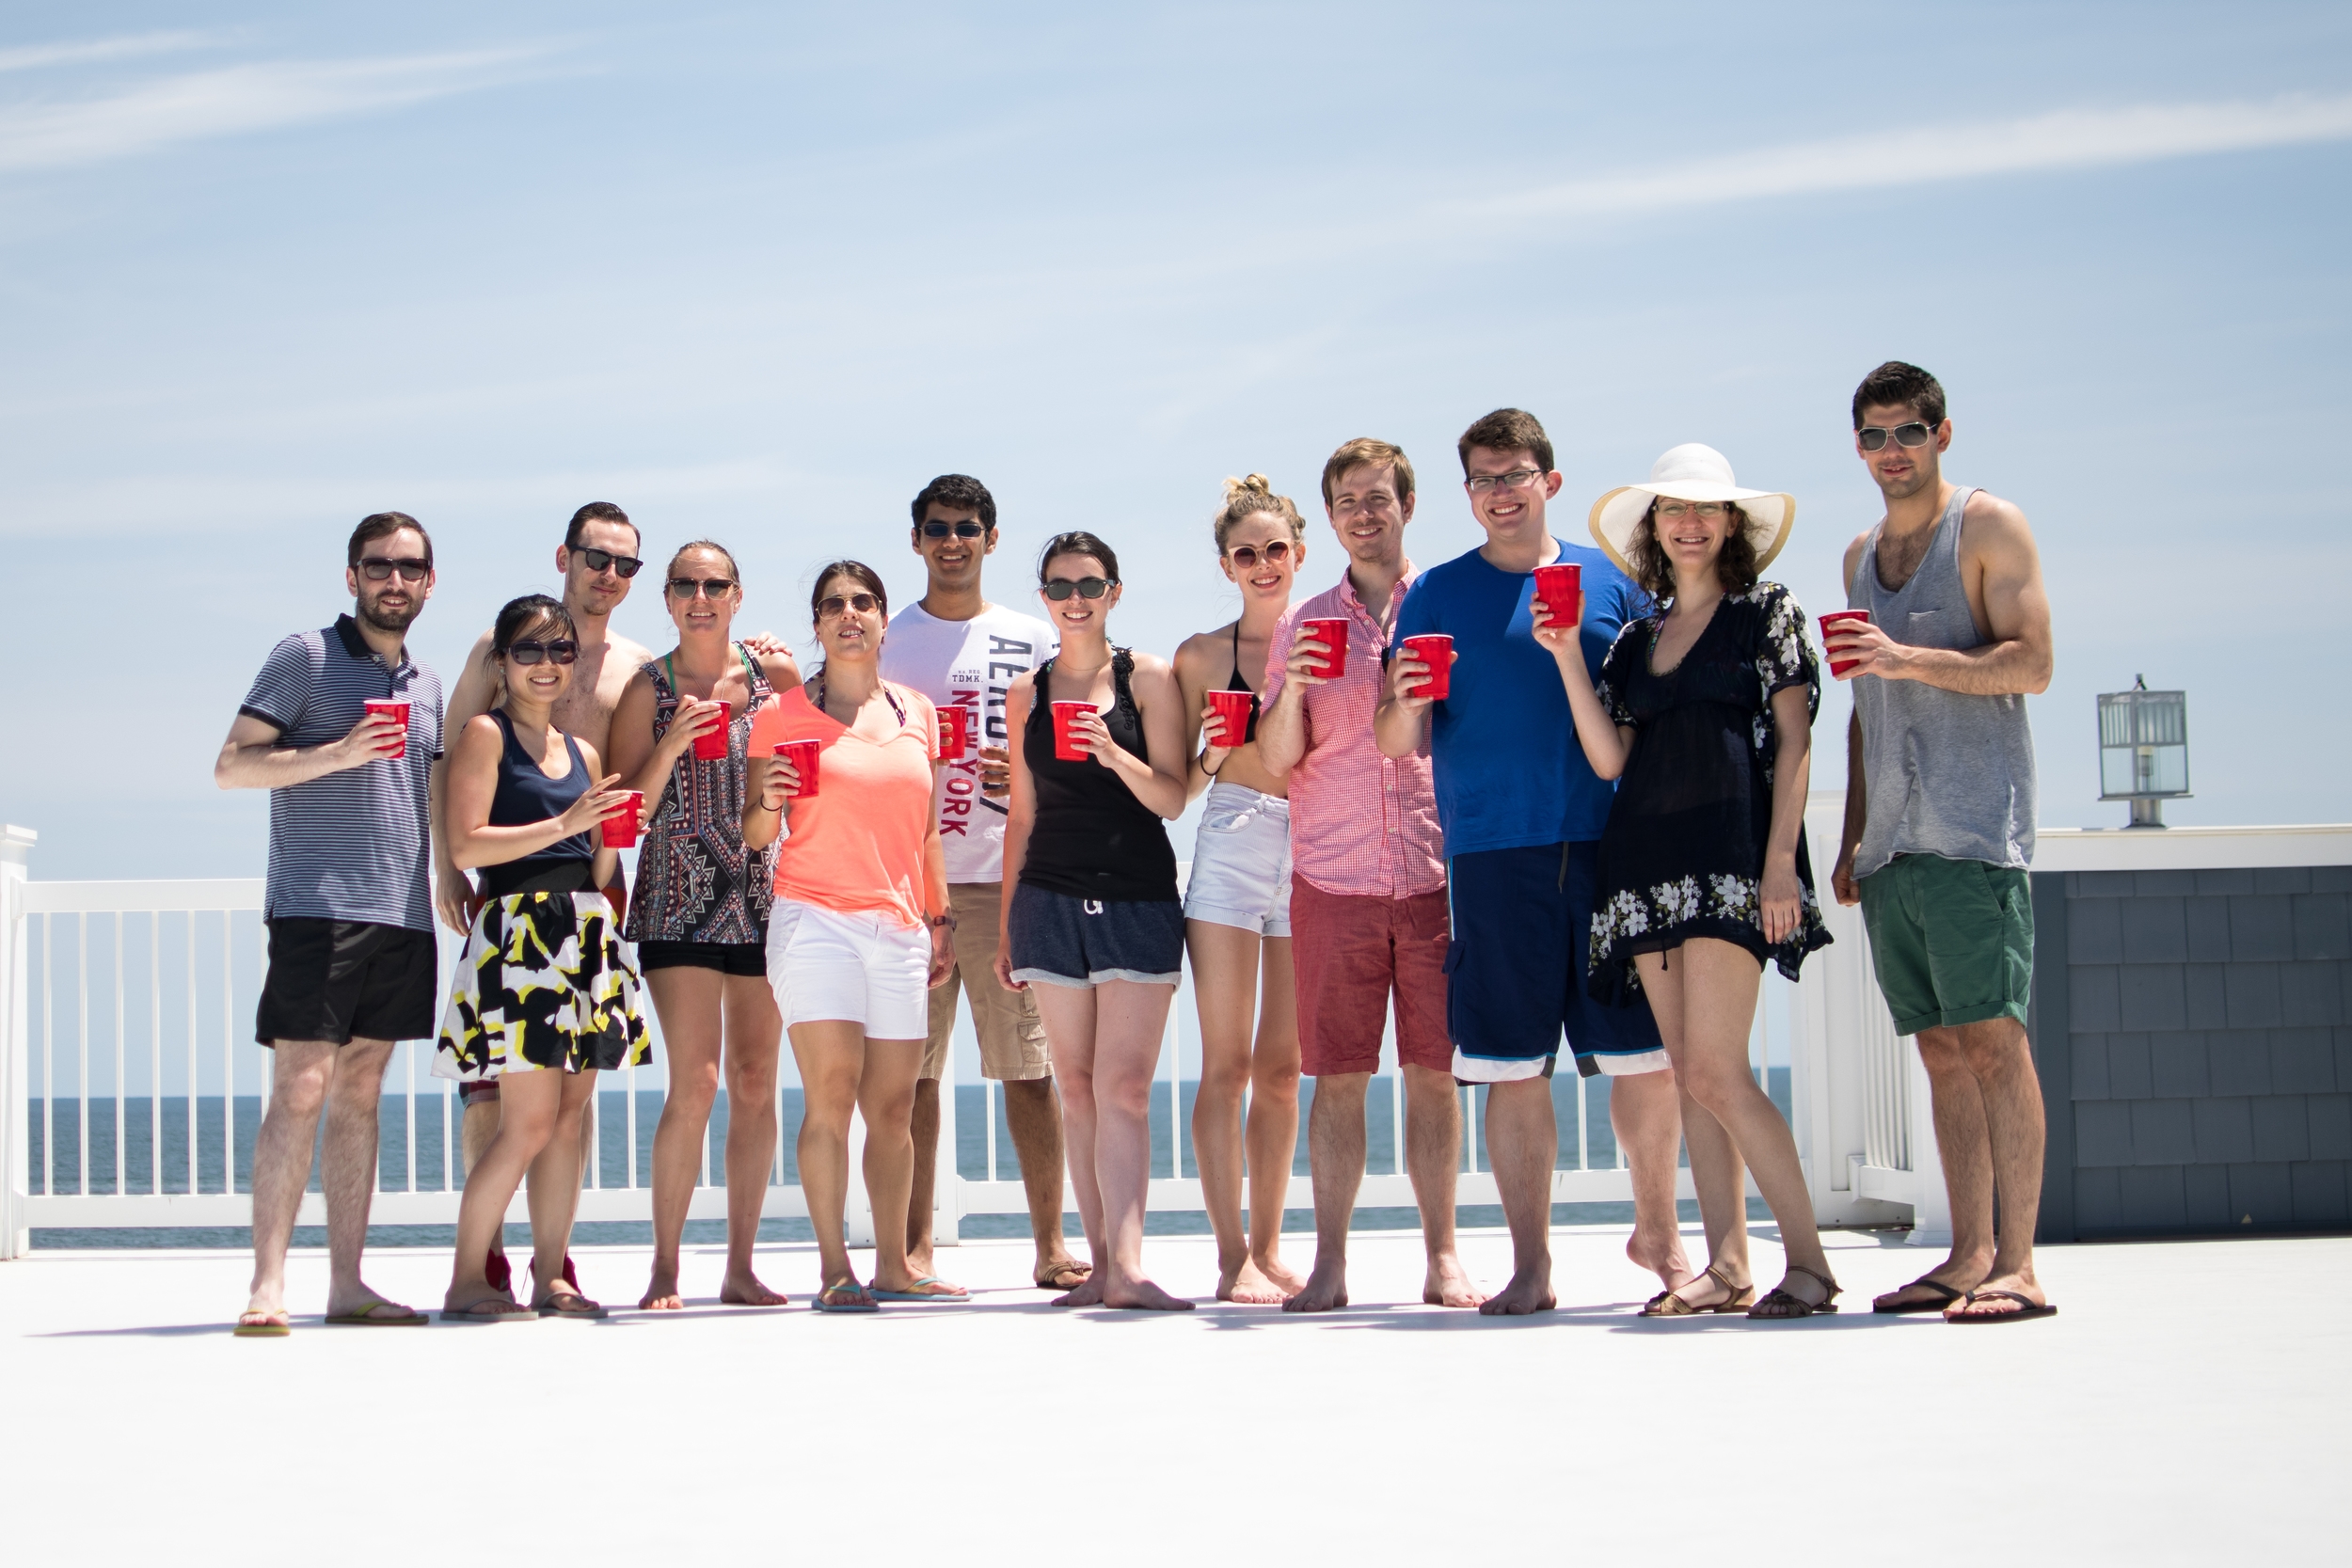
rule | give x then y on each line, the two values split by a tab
499	1273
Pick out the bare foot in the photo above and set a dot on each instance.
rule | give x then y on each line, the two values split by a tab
564	1302
914	1284
1283	1277
662	1293
1087	1294
1250	1287
263	1320
920	1265
1449	1284
1141	1295
1986	1303
744	1290
364	1300
1530	1290
1064	1273
484	1304
1663	1256
1326	1290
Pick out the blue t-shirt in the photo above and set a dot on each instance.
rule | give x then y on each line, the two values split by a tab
1510	770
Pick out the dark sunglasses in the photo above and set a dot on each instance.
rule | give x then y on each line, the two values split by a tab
1086	588
712	588
834	603
1246	555
1873	437
968	528
377	568
530	650
598	560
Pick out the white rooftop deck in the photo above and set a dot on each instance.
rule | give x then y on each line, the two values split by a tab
2188	1405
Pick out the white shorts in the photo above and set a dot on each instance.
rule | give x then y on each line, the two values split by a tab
863	968
1241	862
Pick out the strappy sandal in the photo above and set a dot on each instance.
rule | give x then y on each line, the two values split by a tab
1669	1303
1780	1303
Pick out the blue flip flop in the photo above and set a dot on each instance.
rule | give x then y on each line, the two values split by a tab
818	1301
881	1294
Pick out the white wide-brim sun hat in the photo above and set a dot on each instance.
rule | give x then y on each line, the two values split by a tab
1691	472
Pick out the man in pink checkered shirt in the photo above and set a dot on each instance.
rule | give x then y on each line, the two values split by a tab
1368	903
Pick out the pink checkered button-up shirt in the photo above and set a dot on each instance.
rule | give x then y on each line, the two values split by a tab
1361	823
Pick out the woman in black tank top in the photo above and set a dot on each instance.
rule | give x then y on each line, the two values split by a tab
1092	925
544	997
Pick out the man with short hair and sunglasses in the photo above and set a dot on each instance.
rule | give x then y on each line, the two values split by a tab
1940	824
597	558
355	792
960	650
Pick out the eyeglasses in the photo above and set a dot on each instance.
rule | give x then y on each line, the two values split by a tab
834	603
1873	437
968	528
1707	512
703	588
1086	588
1246	555
377	568
530	650
599	561
1518	479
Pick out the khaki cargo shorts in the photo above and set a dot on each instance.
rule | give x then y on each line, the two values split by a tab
1012	1038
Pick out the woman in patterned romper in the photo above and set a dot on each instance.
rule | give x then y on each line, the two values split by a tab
699	913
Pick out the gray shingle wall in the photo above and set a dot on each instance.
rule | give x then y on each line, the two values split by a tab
2208	1049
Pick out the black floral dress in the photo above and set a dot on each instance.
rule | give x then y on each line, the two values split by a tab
1683	853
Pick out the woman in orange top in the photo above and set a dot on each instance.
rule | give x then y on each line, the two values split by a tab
860	931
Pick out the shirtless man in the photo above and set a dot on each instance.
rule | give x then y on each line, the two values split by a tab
598	558
1940	824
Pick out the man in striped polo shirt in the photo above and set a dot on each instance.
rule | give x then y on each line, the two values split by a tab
349	906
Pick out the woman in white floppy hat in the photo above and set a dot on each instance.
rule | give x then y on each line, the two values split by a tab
1703	715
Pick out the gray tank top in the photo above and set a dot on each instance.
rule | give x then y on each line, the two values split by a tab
1949	774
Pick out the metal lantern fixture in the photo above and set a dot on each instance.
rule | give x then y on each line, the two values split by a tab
2143	750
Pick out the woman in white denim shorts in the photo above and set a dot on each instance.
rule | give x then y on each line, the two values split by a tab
1237	903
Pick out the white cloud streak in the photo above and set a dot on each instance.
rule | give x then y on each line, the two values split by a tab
2068	139
41	55
238	100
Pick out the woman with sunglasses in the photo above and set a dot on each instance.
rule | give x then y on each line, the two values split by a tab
699	912
1237	926
543	998
860	929
1095	922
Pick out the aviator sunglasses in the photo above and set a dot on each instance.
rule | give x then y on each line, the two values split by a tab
1246	555
708	588
1086	588
1873	437
379	568
530	650
834	603
598	560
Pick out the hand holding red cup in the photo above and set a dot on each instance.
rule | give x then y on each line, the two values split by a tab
1435	650
800	757
954	732
620	829
1330	635
395	709
710	745
1831	627
1560	588
1068	744
1226	724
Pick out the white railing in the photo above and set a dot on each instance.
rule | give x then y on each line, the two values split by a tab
132	1088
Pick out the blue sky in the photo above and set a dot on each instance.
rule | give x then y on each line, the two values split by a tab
759	272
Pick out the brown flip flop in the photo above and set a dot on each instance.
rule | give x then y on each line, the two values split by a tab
2027	1307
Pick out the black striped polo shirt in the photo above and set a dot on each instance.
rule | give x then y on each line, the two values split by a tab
355	844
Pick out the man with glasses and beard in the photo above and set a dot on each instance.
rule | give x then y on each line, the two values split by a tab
1940	824
354	793
597	558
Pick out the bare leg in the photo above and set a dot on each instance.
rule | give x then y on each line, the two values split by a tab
1034	1116
1273	1115
832	1058
1721	1179
1335	1155
2002	1063
923	1190
1128	1017
530	1105
554	1183
1523	1138
347	1168
1645	1112
1225	987
477	1126
686	1001
1432	1156
886	1095
755	1033
1069	1014
1965	1147
300	1072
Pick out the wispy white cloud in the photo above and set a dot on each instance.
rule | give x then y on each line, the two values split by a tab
36	56
2070	138
241	99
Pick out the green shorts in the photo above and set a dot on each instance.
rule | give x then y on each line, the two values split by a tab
1952	941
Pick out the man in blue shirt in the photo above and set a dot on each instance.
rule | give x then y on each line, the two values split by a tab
1523	814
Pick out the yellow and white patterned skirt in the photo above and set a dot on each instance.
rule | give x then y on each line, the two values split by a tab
543	984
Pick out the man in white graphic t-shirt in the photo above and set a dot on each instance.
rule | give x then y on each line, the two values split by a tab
958	649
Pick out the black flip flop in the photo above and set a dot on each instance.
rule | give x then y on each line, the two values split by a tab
2027	1307
1946	1292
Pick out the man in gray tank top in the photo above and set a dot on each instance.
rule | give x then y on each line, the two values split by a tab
1940	823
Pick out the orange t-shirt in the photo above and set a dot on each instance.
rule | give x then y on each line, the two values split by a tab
857	845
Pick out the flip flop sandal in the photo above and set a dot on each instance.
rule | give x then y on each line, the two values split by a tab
1945	1295
917	1293
1084	1271
2027	1307
823	1300
1790	1306
371	1316
571	1305
489	1312
275	1326
1667	1304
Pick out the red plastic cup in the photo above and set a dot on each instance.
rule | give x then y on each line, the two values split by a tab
1232	717
1839	666
396	708
801	754
712	746
1066	745
1332	635
954	732
1561	585
620	829
1435	650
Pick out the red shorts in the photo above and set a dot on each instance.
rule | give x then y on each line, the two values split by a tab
1350	956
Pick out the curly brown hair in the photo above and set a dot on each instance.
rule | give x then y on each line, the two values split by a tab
1735	564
